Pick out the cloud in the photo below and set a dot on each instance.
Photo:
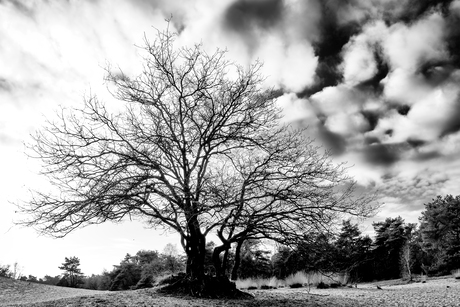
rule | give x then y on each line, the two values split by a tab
361	61
408	46
245	15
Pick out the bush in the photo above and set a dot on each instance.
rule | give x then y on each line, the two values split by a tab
322	285
296	285
144	282
5	271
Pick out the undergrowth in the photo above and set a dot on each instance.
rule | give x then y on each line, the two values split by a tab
299	279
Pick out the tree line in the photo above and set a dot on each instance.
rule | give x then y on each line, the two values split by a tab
398	250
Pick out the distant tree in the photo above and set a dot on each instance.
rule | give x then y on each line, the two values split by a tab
72	276
200	148
354	252
16	271
391	244
32	278
255	261
440	230
128	273
96	282
172	261
5	271
140	270
50	280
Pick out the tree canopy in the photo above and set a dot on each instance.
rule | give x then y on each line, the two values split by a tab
440	230
72	274
199	147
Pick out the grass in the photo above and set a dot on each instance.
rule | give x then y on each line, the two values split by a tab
297	280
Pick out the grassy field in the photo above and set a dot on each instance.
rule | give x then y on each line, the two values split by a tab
435	292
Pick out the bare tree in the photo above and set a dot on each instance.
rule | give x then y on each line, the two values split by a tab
281	191
196	132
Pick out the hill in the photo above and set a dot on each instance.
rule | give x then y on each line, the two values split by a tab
14	292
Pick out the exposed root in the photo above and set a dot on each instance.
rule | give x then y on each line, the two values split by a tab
208	287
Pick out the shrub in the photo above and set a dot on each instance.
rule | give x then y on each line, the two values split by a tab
322	285
296	285
5	271
252	288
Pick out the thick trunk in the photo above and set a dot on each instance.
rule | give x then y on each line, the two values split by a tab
196	251
220	269
225	260
236	265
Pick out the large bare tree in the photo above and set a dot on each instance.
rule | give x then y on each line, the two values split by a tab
199	148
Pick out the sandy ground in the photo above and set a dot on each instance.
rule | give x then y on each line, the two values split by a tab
440	292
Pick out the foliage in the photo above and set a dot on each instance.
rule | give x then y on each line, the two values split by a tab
440	230
50	280
5	271
354	253
141	270
392	237
72	277
255	262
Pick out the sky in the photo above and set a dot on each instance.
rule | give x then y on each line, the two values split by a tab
376	81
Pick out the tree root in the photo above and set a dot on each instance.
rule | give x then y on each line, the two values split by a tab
207	287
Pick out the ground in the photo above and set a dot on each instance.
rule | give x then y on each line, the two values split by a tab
435	292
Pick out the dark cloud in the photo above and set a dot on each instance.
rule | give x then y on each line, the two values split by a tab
327	73
413	10
382	154
425	156
333	36
403	109
5	85
453	37
333	142
415	143
436	73
373	84
372	118
243	15
369	140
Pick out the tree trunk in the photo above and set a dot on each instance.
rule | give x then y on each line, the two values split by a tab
220	269
196	251
236	265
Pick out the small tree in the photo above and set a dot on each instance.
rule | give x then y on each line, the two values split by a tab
73	275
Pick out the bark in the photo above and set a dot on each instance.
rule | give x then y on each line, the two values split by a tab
236	266
218	264
196	251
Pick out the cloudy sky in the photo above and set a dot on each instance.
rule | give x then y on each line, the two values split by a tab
376	81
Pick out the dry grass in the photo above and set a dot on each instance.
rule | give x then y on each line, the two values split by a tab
436	292
456	273
299	278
